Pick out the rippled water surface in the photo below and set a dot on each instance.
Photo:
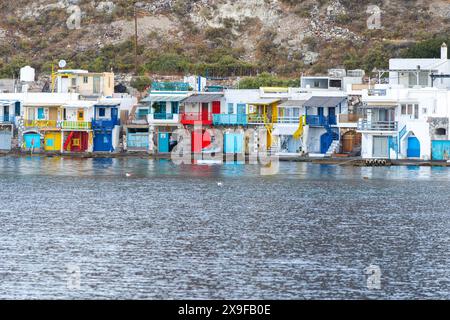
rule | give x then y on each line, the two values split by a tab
194	232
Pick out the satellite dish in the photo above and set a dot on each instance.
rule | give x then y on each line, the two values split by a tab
62	63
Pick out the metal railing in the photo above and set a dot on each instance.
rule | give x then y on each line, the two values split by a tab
84	125
229	119
257	118
320	121
368	125
292	120
189	117
105	123
163	116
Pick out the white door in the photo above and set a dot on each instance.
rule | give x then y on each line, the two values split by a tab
380	147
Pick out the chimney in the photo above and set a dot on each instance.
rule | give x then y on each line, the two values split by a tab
444	51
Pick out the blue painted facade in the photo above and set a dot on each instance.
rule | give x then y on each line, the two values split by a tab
106	117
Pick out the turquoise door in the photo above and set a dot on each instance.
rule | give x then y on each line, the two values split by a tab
440	150
41	113
233	143
32	140
413	148
163	142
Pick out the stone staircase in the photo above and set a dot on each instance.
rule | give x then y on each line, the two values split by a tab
334	148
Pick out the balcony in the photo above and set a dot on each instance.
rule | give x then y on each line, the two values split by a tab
368	125
289	120
163	118
105	123
230	119
320	121
41	124
7	119
75	125
196	117
257	118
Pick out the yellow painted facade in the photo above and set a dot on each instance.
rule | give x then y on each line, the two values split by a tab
52	141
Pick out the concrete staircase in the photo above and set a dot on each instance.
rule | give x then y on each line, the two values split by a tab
334	148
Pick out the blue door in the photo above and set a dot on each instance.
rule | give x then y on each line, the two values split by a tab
413	148
440	150
103	142
233	143
163	142
32	140
138	141
41	114
332	115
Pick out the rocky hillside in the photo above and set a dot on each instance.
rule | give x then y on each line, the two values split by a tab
216	37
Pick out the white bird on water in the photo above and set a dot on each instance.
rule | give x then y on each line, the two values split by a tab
128	175
219	184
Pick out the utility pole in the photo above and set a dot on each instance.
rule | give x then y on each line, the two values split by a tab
135	40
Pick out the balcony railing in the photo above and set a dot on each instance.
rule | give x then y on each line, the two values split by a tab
320	121
367	125
40	123
192	117
257	118
74	125
350	118
163	116
377	92
289	120
105	123
230	119
7	118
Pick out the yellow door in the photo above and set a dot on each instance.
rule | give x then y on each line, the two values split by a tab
80	115
53	141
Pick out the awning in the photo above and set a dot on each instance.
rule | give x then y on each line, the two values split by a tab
325	102
264	102
163	98
203	98
379	105
78	104
293	103
7	102
107	104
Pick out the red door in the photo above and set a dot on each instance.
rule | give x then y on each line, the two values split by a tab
205	111
216	107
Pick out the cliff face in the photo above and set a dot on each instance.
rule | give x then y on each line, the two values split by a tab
226	36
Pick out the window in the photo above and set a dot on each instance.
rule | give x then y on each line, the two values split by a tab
230	108
424	110
410	108
41	114
403	109
440	132
85	80
175	107
74	82
316	84
102	112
